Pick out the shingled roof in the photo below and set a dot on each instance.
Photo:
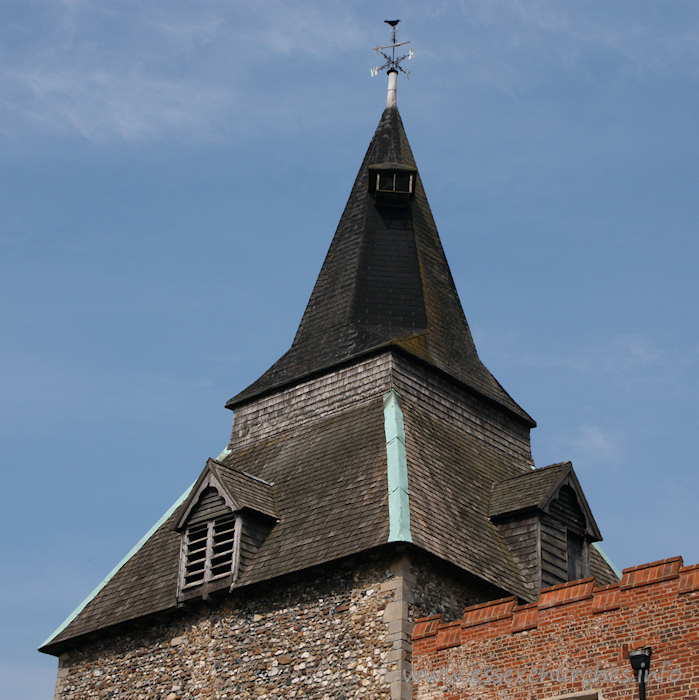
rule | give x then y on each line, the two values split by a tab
385	284
336	509
535	489
385	281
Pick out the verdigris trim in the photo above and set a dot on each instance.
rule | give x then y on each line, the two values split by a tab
607	559
397	470
224	454
114	571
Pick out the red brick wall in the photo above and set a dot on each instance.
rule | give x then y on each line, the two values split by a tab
576	637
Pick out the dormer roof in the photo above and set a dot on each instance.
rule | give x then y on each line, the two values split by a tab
536	490
238	489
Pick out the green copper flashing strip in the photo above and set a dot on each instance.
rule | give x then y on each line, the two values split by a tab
397	470
607	559
114	571
224	454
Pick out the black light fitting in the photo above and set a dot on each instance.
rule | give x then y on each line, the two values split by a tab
640	663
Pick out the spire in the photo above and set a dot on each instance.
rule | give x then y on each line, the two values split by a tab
385	281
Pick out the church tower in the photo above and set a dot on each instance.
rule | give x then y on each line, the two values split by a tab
376	473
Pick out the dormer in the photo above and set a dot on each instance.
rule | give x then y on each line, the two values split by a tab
392	184
225	519
546	524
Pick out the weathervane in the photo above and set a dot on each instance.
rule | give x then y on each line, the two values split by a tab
392	63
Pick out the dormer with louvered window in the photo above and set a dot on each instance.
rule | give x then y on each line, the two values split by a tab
546	525
210	545
225	519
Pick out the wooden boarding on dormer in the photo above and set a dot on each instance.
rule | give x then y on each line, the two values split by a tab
541	489
546	523
218	538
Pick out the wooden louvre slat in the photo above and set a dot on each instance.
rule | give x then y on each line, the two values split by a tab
222	550
209	550
195	565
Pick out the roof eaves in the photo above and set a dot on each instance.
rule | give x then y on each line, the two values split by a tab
243	398
132	552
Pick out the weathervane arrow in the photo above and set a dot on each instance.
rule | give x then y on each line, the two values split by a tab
392	64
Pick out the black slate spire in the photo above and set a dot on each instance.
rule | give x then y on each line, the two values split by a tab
385	282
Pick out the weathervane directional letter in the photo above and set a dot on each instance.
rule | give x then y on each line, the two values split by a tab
392	64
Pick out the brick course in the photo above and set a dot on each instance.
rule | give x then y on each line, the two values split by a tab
575	638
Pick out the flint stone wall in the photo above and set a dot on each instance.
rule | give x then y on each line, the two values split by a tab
319	635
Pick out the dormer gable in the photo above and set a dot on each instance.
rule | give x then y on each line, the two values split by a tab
546	524
554	489
225	519
200	501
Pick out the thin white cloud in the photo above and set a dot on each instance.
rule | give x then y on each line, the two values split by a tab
591	445
629	361
151	71
625	356
99	104
515	39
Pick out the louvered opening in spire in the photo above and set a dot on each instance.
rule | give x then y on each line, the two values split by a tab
385	282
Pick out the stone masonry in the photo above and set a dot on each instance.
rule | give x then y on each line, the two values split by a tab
341	632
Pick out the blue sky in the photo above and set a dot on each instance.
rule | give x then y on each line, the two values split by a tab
172	174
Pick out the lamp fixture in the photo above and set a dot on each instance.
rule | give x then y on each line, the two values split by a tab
640	663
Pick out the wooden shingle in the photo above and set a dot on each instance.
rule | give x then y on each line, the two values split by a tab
385	281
